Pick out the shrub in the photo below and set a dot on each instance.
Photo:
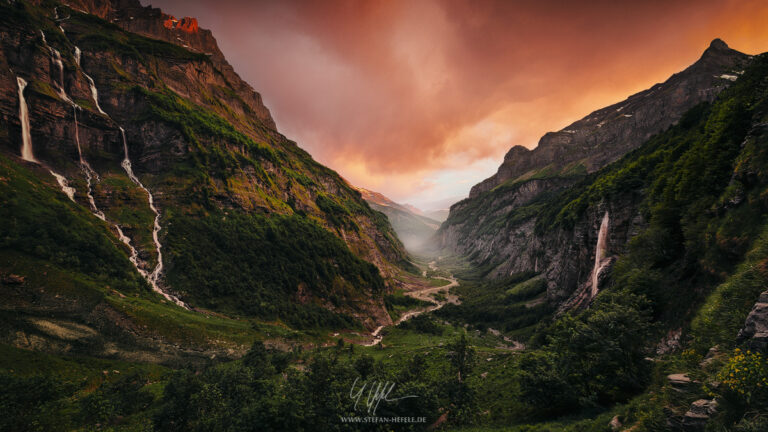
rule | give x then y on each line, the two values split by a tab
744	378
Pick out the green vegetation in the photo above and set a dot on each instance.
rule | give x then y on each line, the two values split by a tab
129	208
94	34
507	305
696	235
397	303
193	120
43	223
423	324
337	214
43	392
724	311
262	390
267	267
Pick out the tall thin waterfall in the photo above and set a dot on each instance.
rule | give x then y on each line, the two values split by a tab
56	59
155	275
90	174
600	262
94	91
26	137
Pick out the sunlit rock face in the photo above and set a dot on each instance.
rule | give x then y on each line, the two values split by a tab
185	24
185	32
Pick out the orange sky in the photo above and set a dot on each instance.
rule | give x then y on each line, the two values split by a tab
420	99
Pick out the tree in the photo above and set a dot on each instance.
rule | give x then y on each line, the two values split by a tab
462	357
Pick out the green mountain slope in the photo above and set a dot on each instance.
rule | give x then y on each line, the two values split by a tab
675	299
169	155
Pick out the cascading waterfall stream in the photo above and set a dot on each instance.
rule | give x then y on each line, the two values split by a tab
600	261
26	139
94	91
56	59
155	275
90	174
68	190
134	256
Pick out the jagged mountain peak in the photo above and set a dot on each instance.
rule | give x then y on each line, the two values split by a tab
604	135
718	44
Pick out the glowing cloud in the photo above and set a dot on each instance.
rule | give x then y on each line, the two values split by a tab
395	94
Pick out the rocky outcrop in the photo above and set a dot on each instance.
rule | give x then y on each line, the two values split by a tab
154	23
502	239
755	330
607	134
679	382
696	418
186	24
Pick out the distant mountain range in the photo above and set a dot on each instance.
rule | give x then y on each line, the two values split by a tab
413	226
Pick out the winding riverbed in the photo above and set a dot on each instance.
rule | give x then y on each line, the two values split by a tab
424	295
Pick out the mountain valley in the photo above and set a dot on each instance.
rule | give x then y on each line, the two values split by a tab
170	261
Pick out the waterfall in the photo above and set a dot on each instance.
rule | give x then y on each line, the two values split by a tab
134	257
90	174
602	242
26	137
155	275
56	59
65	187
94	91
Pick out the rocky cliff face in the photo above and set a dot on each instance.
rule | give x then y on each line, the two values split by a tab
499	226
505	241
185	32
607	134
198	138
